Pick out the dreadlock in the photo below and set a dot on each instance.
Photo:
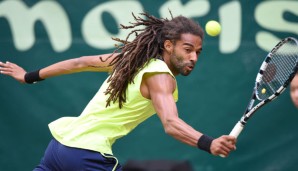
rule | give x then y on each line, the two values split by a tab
147	44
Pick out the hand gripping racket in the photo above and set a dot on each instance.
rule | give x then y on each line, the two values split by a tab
276	72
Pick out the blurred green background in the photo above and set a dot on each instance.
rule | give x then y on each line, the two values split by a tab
36	33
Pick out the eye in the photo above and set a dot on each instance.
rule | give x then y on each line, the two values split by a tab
188	50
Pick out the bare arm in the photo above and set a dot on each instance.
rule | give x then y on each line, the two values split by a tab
160	88
86	63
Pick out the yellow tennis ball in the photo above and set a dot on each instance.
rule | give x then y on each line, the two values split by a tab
263	91
212	28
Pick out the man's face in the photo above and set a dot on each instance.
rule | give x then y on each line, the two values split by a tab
294	90
185	54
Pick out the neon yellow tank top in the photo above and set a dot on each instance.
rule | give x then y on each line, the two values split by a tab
98	126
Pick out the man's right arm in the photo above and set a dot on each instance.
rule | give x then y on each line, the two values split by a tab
161	88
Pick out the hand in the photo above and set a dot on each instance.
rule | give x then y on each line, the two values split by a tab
223	145
13	70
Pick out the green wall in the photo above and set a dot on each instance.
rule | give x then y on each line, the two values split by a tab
36	33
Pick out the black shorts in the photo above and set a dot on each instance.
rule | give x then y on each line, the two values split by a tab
59	157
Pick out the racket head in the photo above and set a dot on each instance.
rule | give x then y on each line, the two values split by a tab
277	70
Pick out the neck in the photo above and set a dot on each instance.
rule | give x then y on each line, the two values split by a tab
166	58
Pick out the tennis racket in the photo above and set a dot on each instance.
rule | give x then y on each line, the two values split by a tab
275	74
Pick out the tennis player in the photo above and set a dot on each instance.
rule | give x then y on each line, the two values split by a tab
141	83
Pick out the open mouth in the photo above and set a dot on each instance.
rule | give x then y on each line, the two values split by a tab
190	67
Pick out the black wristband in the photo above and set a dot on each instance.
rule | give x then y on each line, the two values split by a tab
32	77
204	143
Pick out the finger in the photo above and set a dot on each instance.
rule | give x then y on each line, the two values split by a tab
6	68
9	64
6	72
230	138
226	148
5	65
230	141
13	65
229	144
223	153
2	64
221	149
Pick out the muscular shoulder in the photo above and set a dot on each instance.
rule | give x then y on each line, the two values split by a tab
156	77
163	83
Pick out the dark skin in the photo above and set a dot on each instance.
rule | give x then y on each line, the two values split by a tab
180	56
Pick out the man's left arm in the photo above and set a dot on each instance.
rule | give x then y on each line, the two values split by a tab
99	63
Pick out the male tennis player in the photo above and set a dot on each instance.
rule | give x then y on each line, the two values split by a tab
141	83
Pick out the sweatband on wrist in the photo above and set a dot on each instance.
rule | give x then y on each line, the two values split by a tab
32	77
204	143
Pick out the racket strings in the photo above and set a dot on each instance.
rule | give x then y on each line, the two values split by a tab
278	71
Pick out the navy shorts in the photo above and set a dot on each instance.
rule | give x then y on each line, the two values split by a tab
59	157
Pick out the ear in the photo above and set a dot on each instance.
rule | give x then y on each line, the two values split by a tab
168	46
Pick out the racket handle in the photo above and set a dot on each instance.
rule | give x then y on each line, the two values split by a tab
235	132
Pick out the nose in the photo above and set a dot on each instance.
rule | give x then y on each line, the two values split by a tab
194	57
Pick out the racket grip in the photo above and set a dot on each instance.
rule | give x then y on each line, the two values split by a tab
235	132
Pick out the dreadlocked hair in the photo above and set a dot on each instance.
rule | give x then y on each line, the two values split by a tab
147	44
